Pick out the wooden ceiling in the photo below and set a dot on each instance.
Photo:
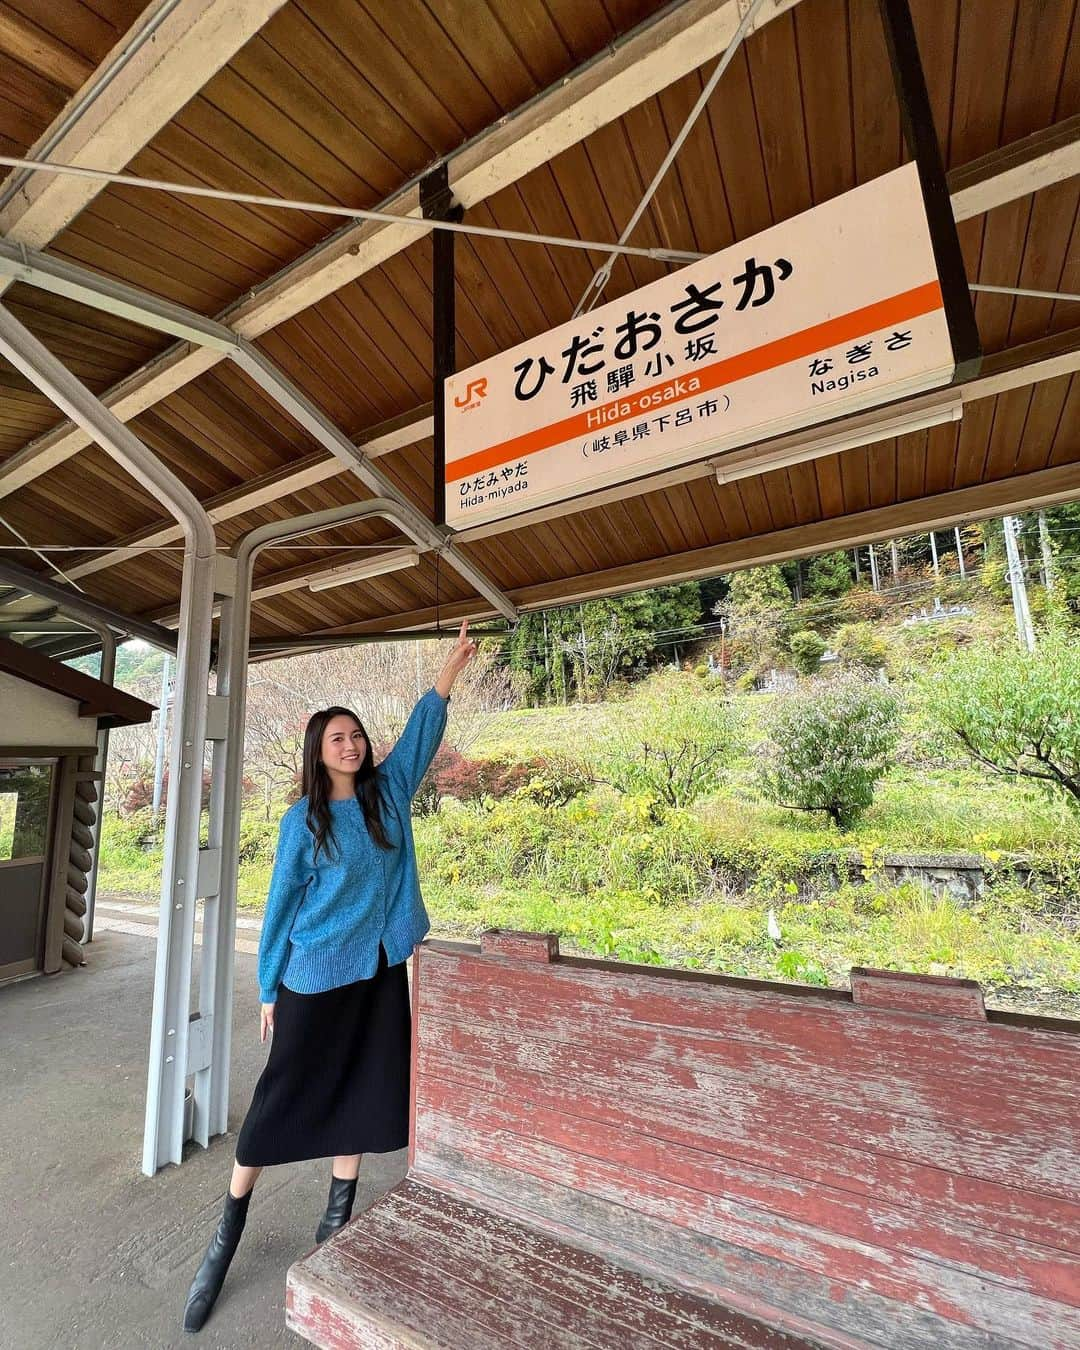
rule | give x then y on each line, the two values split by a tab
346	101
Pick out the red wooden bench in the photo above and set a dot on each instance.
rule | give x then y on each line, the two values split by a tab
612	1156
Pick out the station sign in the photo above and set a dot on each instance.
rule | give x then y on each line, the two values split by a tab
832	312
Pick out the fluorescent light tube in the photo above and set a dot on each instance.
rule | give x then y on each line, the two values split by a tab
864	429
374	567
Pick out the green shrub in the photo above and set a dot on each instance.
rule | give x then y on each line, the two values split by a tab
831	743
672	742
258	839
858	644
1016	712
807	649
862	605
554	781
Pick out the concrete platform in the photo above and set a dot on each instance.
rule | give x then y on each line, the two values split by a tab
92	1253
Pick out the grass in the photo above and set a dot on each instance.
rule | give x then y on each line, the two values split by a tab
697	891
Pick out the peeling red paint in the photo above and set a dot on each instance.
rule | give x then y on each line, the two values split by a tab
891	1169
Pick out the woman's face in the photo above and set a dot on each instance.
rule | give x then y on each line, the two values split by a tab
343	745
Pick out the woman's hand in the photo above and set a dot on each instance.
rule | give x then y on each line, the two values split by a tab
266	1021
463	652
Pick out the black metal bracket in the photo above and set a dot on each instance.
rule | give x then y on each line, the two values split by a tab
917	120
437	203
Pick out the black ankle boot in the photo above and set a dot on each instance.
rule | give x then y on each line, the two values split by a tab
338	1207
215	1264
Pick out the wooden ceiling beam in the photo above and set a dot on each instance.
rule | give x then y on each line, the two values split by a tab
1046	359
31	46
648	59
628	72
1017	170
394	434
140	86
1043	488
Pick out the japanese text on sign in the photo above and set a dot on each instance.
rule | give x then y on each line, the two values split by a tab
826	314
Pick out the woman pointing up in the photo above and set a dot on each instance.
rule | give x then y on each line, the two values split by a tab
343	915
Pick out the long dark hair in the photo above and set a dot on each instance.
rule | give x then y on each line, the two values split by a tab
317	783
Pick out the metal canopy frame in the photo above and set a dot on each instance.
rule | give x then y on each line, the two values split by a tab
184	1043
917	120
115	297
183	871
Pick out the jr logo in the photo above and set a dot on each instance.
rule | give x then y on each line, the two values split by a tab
474	392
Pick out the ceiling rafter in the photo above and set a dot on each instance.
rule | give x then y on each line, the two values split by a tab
161	63
650	58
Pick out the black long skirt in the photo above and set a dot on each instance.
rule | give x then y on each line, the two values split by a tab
336	1081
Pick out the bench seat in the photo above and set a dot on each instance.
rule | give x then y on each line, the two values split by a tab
603	1155
425	1269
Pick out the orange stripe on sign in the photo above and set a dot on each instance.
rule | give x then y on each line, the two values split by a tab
897	309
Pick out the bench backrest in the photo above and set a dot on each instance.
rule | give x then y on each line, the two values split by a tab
871	1161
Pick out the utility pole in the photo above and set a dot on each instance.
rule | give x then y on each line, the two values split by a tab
875	577
933	554
1047	553
1024	630
959	552
159	757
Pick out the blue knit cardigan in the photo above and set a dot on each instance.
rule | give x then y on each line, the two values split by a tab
326	919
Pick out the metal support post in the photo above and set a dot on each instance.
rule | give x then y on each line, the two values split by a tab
436	203
163	1137
960	552
225	730
107	675
934	554
219	921
894	558
917	120
875	576
1047	553
159	756
1024	630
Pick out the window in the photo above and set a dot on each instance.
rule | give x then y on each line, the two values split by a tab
24	810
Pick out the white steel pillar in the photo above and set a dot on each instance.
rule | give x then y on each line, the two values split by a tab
106	675
1024	630
225	730
174	1051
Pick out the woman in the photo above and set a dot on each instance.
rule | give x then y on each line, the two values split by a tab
343	915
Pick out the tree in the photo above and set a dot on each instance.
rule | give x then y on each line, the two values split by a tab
830	575
380	682
582	649
757	607
674	740
831	742
807	649
1016	711
858	645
